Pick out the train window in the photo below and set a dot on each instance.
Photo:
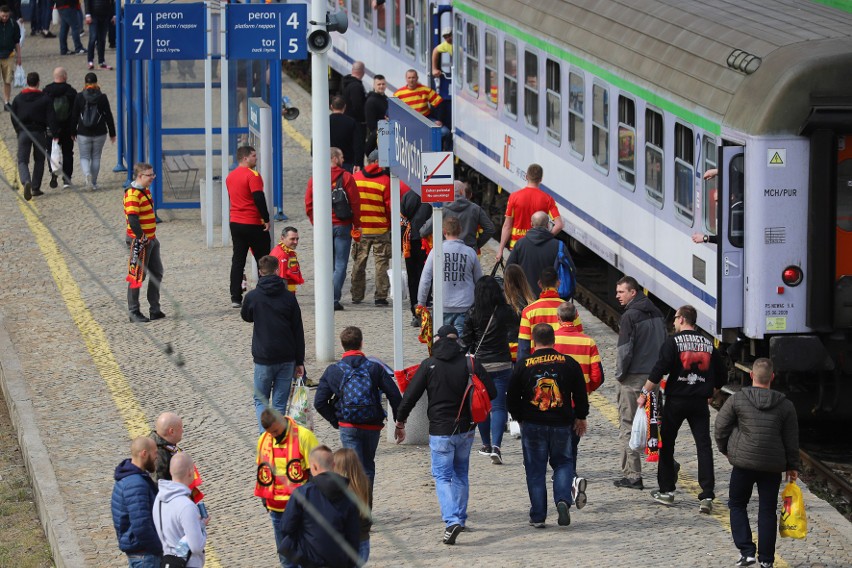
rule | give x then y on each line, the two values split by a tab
410	26
510	79
471	55
709	186
355	12
627	142
654	156
577	113
456	62
394	23
553	101
425	18
368	14
531	89
684	169
600	126
382	21
736	201
492	90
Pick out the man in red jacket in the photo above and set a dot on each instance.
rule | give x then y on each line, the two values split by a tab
342	228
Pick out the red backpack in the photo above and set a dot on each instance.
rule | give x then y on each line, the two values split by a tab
480	402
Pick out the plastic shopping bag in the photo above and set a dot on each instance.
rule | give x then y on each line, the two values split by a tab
404	285
299	406
23	33
793	522
20	77
639	432
55	156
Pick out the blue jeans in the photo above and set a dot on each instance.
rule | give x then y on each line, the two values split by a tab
739	494
491	431
450	464
542	444
69	20
342	239
279	537
456	320
141	560
364	550
364	442
98	30
275	379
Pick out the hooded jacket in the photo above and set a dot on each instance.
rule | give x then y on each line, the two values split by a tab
351	189
355	95
69	126
305	541
461	272
757	429
443	377
132	503
641	334
33	110
412	208
534	252
278	335
106	125
471	217
180	519
489	343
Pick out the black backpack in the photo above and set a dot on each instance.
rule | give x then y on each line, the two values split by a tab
91	115
340	201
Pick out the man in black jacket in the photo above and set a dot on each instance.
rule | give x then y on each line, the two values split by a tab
695	373
757	429
375	109
414	214
62	96
278	339
547	396
10	45
345	134
99	15
32	114
444	378
353	93
536	251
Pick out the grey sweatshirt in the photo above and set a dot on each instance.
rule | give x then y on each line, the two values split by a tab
461	272
180	519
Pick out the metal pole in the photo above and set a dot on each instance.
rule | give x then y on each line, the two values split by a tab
437	265
224	91
396	274
208	129
323	247
277	145
120	71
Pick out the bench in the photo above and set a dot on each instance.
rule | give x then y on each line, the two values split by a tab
180	165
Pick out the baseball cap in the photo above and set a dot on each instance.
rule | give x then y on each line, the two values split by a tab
445	331
447	31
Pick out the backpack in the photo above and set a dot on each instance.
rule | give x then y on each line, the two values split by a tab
357	401
340	201
567	273
61	109
91	115
480	402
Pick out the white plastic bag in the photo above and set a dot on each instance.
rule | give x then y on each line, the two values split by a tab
639	432
299	405
404	284
20	77
55	156
23	33
514	429
55	17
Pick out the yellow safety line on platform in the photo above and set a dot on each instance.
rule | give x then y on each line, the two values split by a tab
93	334
297	136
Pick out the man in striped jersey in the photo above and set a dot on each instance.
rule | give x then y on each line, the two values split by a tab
374	190
571	341
543	310
424	100
142	230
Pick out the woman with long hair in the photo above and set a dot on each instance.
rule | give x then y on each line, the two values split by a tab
347	464
519	295
488	325
94	122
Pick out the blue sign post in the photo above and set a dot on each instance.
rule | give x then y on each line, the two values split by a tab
170	31
267	31
411	134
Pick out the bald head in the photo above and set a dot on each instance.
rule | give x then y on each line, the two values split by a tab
459	189
358	69
539	219
143	453
60	75
169	427
182	468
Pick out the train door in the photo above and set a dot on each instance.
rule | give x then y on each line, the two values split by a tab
730	238
843	232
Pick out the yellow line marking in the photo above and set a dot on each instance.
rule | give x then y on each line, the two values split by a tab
93	334
296	135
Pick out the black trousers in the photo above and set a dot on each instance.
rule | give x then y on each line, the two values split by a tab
414	268
695	411
245	237
67	145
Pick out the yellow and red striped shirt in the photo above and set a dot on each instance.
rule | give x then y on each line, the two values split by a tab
419	98
543	310
138	202
374	191
582	349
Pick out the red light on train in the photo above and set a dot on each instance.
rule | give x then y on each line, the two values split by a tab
792	276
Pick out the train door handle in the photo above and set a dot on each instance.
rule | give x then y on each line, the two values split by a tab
729	264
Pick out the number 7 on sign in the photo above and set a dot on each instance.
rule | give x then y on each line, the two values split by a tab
139	44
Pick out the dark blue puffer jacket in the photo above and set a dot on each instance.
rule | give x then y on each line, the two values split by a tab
132	505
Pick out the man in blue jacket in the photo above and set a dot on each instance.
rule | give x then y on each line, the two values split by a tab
132	504
349	396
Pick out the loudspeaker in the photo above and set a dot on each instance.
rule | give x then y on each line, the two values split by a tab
319	41
337	22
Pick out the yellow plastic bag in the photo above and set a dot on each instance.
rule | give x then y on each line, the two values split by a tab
793	522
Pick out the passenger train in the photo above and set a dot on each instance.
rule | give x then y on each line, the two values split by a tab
629	106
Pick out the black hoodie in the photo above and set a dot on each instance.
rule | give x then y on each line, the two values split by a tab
105	125
32	110
306	542
375	109
537	250
443	377
354	94
278	335
54	91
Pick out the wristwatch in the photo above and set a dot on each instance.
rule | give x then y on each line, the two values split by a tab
645	391
706	238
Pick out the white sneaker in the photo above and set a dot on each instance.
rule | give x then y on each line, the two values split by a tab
578	492
88	181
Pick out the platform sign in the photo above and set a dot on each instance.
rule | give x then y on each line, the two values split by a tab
411	135
267	31
436	181
165	31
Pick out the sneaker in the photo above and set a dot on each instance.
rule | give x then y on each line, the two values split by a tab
382	302
66	186
706	506
156	315
28	191
91	65
767	564
80	51
105	67
537	524
236	304
415	321
53	183
627	484
578	492
88	181
138	317
7	106
496	456
746	561
666	498
451	533
48	34
485	450
37	192
564	515
338	307
356	302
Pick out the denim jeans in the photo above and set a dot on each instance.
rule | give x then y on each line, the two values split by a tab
275	379
542	444
279	537
491	431
98	30
695	411
68	19
143	560
91	148
364	550
450	464
342	238
364	442
739	494
456	320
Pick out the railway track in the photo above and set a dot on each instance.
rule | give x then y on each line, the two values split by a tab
830	480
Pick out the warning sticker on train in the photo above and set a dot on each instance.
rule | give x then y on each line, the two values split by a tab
776	157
